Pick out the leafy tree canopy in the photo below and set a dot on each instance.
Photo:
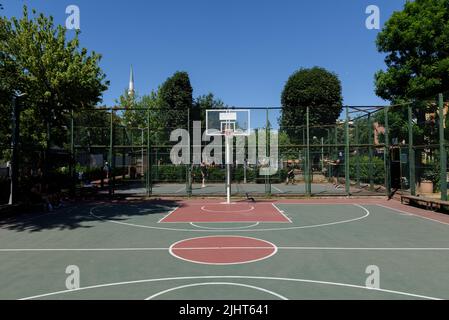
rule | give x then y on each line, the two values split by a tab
57	75
317	88
203	103
416	42
175	94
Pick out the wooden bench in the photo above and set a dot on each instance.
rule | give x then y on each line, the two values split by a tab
431	204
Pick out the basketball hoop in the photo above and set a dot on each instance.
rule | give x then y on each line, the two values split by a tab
228	123
228	132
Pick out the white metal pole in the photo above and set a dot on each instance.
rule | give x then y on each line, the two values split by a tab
228	170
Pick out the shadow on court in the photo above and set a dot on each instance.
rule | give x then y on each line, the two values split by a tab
77	215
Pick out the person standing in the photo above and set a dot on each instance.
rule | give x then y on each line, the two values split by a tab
290	175
337	169
203	169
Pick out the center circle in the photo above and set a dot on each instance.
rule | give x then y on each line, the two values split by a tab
222	250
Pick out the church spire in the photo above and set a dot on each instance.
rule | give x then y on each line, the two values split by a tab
131	90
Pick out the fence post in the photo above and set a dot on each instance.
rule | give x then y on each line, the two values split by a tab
347	176
387	154
370	152
411	153
267	153
14	164
148	177
189	165
111	154
443	155
307	162
357	154
72	154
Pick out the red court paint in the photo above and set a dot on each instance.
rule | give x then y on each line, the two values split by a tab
219	212
223	250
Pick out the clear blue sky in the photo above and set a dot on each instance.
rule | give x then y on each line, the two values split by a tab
243	51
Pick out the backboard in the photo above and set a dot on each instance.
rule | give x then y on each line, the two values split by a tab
235	122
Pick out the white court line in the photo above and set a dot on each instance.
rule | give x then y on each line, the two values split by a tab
217	283
230	277
277	189
181	189
169	213
234	248
281	212
272	247
224	229
412	214
401	212
253	230
251	208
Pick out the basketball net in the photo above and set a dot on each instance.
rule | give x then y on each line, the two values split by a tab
228	132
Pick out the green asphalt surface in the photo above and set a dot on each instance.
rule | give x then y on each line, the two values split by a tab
122	253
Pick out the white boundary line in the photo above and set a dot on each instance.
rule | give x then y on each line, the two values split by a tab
12	250
230	277
224	229
237	230
411	214
401	212
281	212
180	189
217	283
169	213
274	187
251	208
272	246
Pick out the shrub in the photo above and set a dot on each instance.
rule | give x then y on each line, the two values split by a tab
378	173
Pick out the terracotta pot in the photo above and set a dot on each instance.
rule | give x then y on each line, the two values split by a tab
426	187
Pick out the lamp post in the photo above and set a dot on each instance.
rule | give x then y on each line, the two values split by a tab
14	167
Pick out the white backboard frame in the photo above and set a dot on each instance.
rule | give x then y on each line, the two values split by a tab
228	116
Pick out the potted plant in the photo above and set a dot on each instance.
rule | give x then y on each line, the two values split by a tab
427	181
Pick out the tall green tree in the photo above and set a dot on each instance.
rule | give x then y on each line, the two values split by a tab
416	43
55	72
175	96
316	88
203	103
136	114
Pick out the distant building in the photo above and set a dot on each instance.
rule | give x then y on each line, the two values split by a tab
131	90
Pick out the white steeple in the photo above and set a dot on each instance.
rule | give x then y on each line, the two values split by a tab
131	90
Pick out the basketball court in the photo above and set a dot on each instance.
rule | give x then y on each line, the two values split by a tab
204	249
225	246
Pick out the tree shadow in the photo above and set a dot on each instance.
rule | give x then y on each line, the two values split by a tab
78	215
